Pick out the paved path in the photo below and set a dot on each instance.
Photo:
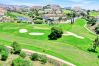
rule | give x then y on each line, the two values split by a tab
85	26
73	34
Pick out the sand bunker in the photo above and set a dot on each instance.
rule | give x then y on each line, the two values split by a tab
23	30
36	33
72	34
41	28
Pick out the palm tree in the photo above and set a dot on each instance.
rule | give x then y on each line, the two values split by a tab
88	12
71	16
83	14
59	19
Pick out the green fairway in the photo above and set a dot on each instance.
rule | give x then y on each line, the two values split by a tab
15	14
69	48
67	11
94	13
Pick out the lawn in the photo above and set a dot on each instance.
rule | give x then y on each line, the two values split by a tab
93	13
15	14
68	48
66	11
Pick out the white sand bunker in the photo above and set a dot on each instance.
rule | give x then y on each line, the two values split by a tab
75	35
41	28
23	30
36	33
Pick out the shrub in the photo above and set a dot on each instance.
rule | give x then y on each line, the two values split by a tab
21	62
94	45
55	33
23	54
38	21
16	47
97	29
4	55
2	48
34	56
98	56
91	50
3	52
11	51
91	20
43	59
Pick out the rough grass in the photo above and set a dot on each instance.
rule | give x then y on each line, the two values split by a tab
11	57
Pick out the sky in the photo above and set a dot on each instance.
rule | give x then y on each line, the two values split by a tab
87	4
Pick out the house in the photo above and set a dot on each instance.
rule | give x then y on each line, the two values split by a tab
52	6
36	8
6	19
52	9
53	12
79	10
54	17
67	8
2	11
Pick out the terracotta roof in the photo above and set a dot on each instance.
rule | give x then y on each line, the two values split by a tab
2	11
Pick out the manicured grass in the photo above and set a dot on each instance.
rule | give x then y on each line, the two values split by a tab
15	14
66	11
68	48
93	13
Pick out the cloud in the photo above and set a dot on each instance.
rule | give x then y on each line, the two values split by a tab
82	1
63	3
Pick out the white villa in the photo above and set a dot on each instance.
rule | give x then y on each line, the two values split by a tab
2	11
53	12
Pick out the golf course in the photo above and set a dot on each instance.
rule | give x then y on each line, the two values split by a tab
72	47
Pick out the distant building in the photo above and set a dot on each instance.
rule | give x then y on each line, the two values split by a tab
36	7
52	6
52	9
2	11
53	16
79	10
68	8
53	12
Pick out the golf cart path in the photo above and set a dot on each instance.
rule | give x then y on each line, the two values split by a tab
49	56
85	26
72	34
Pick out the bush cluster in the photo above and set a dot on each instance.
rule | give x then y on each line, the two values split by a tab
3	52
43	59
21	62
22	54
16	47
37	57
38	21
56	33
